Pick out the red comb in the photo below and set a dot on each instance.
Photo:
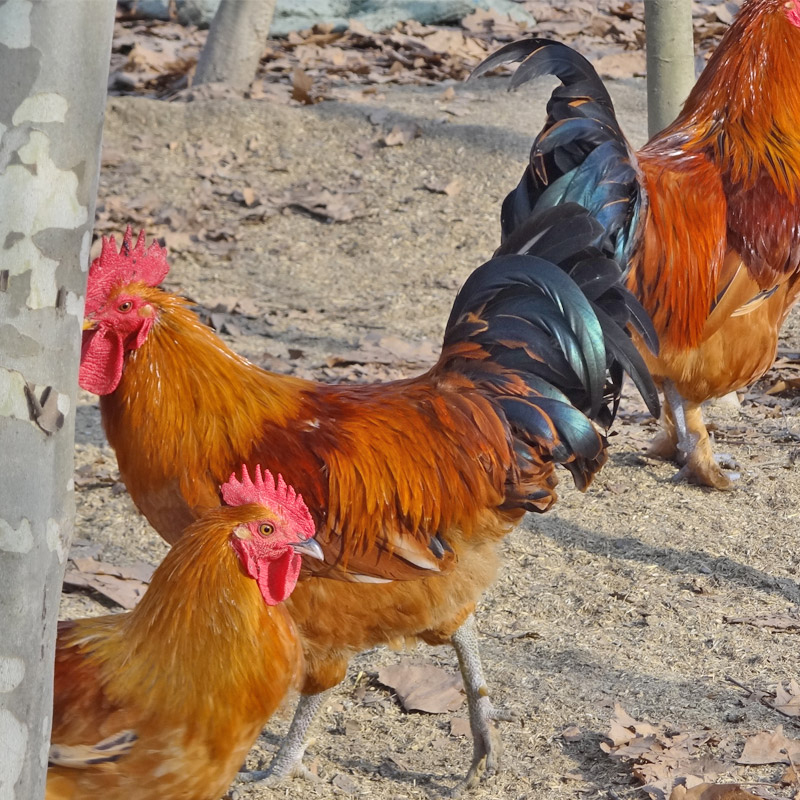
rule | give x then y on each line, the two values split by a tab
112	268
276	495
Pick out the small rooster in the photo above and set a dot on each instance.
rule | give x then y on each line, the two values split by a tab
166	701
706	217
411	484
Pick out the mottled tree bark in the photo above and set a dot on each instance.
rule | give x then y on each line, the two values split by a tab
670	59
54	60
235	43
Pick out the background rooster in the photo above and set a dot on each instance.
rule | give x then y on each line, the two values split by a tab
165	701
706	217
411	484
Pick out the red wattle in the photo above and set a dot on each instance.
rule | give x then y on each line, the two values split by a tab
277	577
101	361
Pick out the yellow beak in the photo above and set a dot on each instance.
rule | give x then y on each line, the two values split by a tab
89	324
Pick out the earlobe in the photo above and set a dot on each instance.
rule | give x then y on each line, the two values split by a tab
144	329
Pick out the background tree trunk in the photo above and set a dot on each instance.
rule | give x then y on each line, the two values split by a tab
235	43
670	59
54	59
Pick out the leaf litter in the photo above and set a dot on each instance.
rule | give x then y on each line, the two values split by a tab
334	65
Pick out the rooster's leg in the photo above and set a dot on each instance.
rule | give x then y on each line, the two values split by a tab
694	446
665	443
486	747
288	761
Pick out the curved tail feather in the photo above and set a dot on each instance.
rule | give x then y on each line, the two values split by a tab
540	328
581	154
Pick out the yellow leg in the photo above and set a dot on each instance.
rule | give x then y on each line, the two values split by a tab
665	443
693	447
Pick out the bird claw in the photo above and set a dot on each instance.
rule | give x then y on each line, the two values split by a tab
271	780
726	461
487	746
706	474
277	773
488	750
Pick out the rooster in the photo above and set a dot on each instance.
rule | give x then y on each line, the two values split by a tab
705	217
166	700
412	484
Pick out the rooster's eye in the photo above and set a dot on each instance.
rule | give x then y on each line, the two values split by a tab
125	307
265	529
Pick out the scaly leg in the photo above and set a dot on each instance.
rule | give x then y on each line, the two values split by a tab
288	761
486	743
694	446
665	443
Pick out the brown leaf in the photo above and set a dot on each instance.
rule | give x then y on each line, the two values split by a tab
402	133
424	687
301	87
787	700
344	783
769	748
459	726
572	734
789	777
123	585
621	65
450	188
778	622
329	206
709	791
246	197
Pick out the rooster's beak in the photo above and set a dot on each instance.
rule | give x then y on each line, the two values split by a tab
309	547
89	324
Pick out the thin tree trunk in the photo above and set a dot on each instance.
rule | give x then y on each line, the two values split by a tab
670	59
235	43
54	59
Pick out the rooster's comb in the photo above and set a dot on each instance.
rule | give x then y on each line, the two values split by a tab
276	495
128	264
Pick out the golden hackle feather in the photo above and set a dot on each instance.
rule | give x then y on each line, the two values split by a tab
381	467
193	671
724	177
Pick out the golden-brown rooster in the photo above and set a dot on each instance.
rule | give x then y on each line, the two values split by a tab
705	217
165	701
411	484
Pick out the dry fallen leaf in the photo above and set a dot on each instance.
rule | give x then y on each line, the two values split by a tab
301	87
424	687
787	699
124	585
572	734
770	748
450	188
658	757
402	133
778	622
710	791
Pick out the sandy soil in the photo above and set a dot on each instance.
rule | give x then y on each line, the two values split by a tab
619	594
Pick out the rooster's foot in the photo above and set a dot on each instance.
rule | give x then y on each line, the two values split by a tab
288	761
487	746
708	472
664	445
276	774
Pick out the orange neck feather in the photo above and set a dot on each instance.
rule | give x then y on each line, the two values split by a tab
160	653
185	378
745	108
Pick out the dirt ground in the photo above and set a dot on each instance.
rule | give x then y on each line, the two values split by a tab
620	594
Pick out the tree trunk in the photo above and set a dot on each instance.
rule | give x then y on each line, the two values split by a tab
670	59
235	43
54	59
